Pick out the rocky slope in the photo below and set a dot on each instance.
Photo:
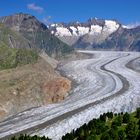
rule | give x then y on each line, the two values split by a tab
12	39
30	86
26	79
123	39
38	34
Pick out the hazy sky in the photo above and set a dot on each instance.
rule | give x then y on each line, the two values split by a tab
125	11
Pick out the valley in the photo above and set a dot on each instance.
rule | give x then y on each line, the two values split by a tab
69	70
107	81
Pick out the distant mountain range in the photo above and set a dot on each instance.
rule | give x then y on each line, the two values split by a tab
98	34
25	30
58	39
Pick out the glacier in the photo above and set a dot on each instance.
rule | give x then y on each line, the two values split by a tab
103	83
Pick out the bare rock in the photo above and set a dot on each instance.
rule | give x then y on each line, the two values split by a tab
56	90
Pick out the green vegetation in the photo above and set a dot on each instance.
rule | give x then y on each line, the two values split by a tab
107	127
25	56
41	40
4	35
10	38
51	44
12	57
25	137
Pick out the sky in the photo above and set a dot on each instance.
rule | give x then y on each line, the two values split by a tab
48	11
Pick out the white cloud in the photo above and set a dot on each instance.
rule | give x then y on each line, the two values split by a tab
33	6
133	25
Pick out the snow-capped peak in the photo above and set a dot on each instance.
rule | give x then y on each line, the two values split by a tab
110	26
95	29
93	26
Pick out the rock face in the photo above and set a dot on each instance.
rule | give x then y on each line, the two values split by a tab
123	39
36	33
23	22
92	31
56	89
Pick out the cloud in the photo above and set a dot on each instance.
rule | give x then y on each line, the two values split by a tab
34	7
133	25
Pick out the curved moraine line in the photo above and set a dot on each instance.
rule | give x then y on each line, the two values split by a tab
130	64
57	123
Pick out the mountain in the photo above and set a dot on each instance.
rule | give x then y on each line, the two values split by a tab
123	40
9	38
97	34
36	33
92	31
29	85
27	73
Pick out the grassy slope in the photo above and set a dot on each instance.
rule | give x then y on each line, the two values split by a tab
9	38
13	50
20	87
40	39
51	44
22	73
12	57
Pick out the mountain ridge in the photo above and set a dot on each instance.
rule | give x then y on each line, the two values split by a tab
93	27
37	33
95	33
27	73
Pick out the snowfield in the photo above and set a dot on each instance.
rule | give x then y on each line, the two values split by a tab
103	84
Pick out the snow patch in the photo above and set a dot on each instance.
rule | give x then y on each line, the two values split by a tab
95	29
62	31
83	30
54	25
110	26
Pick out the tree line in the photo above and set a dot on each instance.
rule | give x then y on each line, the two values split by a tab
109	126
